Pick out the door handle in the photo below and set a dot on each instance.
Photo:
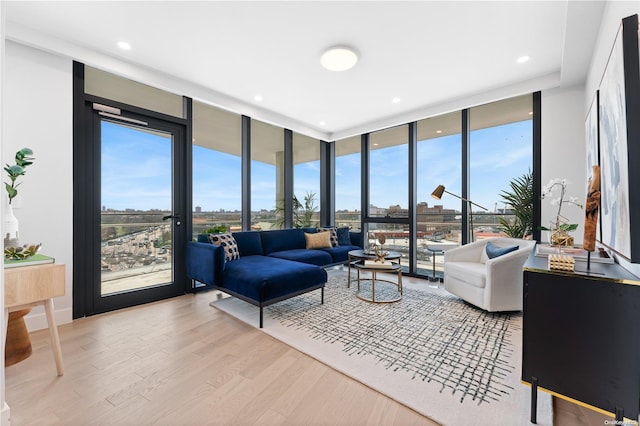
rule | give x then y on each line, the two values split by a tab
176	217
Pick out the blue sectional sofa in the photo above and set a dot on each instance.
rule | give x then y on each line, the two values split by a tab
272	265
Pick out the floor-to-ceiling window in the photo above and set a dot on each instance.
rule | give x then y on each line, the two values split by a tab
439	162
389	172
388	210
217	163
348	185
267	176
501	150
306	181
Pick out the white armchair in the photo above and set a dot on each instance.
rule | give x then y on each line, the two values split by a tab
491	284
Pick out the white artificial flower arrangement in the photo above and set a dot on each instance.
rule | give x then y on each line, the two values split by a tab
559	225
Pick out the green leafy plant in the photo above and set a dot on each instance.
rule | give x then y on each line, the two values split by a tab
20	253
520	198
215	230
23	159
302	211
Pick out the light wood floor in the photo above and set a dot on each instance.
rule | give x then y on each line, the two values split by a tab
180	361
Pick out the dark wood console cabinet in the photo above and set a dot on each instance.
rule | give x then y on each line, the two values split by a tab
581	336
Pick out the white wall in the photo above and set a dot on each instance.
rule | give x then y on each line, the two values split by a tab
4	408
611	20
564	153
38	115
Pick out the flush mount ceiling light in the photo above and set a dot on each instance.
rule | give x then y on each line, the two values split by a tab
523	59
124	45
339	58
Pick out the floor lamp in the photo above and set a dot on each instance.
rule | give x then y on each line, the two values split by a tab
437	194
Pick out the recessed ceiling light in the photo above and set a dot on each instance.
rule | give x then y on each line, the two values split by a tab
375	144
438	131
322	123
530	112
395	100
339	58
124	45
258	98
523	59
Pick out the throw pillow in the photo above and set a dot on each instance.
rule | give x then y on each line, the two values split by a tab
333	235
494	251
318	240
227	242
343	236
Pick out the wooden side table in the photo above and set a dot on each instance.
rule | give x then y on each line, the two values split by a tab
28	286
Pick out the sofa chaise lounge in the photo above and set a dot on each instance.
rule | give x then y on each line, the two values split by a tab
270	266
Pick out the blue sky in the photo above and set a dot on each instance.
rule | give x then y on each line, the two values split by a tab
136	168
136	171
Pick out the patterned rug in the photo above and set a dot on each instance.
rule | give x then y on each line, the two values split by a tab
444	358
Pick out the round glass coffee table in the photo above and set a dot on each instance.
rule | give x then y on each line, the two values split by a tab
387	290
356	255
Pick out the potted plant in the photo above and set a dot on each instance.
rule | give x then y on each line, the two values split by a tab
203	237
302	212
560	228
23	158
520	199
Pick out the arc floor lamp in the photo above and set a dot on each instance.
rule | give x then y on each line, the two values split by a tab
437	194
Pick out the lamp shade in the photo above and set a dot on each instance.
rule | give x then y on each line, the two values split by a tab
437	193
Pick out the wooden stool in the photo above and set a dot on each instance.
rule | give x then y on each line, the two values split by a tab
18	345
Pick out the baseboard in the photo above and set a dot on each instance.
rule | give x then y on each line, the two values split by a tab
38	321
5	415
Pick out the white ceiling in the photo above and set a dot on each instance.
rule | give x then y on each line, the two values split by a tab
435	56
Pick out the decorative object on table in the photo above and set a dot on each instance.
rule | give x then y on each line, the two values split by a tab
23	159
21	253
379	250
591	211
36	259
372	243
578	253
520	200
380	264
561	262
437	194
560	228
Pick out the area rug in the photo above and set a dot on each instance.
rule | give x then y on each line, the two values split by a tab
431	351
